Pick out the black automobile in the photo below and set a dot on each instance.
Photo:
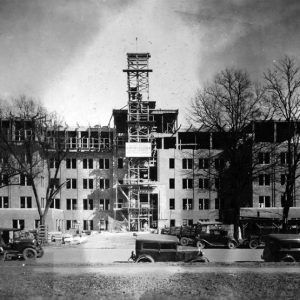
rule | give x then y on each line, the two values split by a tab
160	248
185	234
282	247
17	244
216	238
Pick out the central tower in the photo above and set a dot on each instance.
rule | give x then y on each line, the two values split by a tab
139	148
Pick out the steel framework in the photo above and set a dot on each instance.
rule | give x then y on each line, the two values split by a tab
140	123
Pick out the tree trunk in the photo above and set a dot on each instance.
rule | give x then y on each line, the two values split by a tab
285	218
42	220
286	208
236	224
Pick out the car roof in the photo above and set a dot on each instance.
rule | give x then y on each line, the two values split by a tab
9	229
162	238
284	236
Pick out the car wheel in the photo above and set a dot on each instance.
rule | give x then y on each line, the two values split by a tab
253	244
288	259
29	253
200	245
231	245
184	241
145	259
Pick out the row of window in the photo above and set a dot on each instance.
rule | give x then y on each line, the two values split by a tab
265	201
264	158
265	179
87	183
71	204
88	204
104	204
188	204
204	183
203	163
204	204
87	224
87	163
71	183
188	183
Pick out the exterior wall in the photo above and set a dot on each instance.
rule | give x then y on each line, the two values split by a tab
14	211
275	189
54	218
28	215
270	137
193	213
80	193
58	218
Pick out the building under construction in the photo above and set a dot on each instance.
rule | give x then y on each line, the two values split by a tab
143	170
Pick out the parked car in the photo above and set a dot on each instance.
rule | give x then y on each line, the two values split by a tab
255	229
189	235
185	234
173	230
20	244
282	247
216	238
158	248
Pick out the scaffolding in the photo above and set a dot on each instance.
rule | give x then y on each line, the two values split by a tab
139	148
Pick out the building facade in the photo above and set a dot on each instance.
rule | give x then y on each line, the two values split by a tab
109	183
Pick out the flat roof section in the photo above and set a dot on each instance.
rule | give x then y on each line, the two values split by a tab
165	111
139	54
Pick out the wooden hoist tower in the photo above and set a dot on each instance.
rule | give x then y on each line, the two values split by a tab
139	148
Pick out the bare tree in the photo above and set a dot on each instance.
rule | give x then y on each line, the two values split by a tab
9	167
36	145
283	87
227	106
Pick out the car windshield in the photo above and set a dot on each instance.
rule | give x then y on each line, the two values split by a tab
215	232
23	235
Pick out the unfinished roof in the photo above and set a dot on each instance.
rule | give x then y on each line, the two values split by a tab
139	55
165	111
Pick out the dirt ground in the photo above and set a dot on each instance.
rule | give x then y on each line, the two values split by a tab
150	281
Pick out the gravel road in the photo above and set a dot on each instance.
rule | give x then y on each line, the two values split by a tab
149	281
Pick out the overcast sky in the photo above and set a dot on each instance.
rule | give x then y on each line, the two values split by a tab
70	54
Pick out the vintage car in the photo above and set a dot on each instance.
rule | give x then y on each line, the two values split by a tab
282	247
18	244
185	234
216	238
158	248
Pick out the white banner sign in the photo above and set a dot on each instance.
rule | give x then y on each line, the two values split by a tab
138	149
